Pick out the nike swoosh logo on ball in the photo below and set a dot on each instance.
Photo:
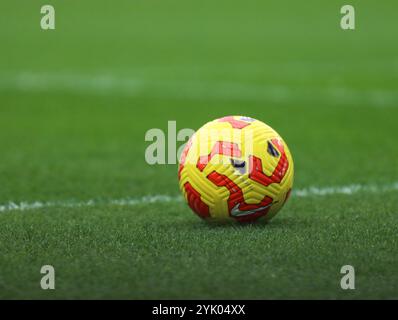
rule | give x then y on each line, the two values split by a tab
236	212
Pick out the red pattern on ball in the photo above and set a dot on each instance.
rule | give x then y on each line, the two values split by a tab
195	201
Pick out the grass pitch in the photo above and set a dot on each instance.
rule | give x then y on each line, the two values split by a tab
75	104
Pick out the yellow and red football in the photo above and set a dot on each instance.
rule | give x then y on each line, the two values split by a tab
236	168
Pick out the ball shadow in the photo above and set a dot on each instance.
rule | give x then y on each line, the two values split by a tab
278	223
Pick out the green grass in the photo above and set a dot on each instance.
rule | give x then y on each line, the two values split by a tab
165	252
65	135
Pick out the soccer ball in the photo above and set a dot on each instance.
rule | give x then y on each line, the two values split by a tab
236	168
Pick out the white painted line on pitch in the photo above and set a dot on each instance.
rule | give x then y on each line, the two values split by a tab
108	84
348	190
125	202
22	206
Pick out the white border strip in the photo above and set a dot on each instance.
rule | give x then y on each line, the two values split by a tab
126	202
